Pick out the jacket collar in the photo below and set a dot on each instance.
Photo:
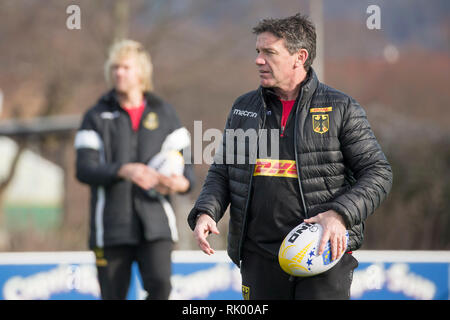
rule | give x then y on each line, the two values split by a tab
110	99
308	87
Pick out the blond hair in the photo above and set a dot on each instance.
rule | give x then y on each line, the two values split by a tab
130	48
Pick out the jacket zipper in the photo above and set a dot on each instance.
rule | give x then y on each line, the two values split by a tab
296	156
244	225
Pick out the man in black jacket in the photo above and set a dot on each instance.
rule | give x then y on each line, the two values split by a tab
131	217
329	170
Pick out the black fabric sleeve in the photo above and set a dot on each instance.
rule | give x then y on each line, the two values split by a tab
91	166
365	159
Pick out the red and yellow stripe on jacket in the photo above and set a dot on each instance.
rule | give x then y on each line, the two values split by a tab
275	168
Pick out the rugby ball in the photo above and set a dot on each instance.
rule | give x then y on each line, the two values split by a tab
298	252
168	163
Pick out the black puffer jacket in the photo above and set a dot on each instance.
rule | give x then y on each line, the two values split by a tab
340	163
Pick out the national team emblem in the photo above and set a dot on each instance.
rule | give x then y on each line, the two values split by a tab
321	123
100	260
246	292
151	121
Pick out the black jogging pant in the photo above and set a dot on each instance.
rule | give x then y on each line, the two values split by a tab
263	279
154	262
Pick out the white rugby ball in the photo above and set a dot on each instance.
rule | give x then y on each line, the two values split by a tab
298	252
168	163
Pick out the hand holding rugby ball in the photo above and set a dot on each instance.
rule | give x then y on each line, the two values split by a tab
298	252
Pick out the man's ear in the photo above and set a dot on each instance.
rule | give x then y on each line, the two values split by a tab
302	56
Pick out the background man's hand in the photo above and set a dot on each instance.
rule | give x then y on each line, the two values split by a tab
140	174
205	225
172	184
334	230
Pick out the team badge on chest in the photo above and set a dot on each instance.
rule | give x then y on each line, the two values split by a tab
321	119
321	123
151	121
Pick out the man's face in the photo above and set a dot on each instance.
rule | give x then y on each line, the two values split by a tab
126	75
275	63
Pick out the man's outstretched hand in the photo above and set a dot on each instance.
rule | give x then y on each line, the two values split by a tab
205	225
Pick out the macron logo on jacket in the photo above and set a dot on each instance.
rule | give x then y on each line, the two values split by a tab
245	113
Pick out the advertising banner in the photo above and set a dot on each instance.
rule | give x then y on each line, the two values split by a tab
381	275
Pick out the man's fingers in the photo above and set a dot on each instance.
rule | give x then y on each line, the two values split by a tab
201	232
162	189
323	242
339	248
206	248
165	181
204	245
142	183
311	220
333	231
334	247
200	236
144	178
343	245
337	245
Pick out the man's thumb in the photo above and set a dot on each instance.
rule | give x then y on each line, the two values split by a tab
214	229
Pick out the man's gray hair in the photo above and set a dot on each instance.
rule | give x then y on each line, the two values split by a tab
297	31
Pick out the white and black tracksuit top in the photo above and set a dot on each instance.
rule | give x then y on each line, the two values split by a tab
121	212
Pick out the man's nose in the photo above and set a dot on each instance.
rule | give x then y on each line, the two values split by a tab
260	60
118	71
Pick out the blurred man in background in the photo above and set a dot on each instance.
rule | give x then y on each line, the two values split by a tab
131	217
341	174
